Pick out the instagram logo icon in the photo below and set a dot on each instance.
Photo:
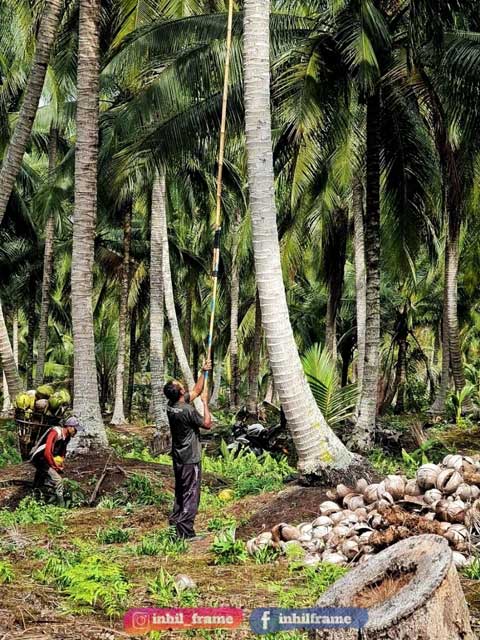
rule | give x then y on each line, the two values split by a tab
137	621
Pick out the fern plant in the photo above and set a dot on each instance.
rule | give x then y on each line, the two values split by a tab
336	403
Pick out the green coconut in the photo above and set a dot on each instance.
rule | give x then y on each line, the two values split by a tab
23	401
63	393
55	402
45	391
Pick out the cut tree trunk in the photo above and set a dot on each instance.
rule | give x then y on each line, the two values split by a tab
86	398
411	590
319	449
47	267
157	356
254	368
360	278
13	157
119	409
365	427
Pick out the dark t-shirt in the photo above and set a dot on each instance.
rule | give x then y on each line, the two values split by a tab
185	423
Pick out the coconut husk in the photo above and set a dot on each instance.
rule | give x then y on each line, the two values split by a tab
416	524
381	539
471	477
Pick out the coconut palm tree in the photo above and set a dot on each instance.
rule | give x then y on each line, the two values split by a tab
360	281
118	409
47	267
12	159
86	397
317	446
157	356
170	308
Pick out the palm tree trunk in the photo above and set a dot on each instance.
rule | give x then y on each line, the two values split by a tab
31	320
367	408
335	256
401	375
438	407
451	283
47	268
187	324
170	303
360	279
86	398
157	296
118	409
14	154
254	368
217	383
331	326
318	448
132	363
234	300
7	403
8	362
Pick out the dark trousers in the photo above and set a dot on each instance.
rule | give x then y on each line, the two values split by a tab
187	498
46	477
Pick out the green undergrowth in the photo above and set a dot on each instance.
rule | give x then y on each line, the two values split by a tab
9	453
165	592
161	543
31	511
247	473
7	574
227	549
315	581
89	580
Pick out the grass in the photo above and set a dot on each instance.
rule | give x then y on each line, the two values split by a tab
30	511
161	543
315	581
113	535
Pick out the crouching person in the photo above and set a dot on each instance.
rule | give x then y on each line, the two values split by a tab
185	423
49	455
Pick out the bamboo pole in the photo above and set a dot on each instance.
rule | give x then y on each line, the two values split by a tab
218	214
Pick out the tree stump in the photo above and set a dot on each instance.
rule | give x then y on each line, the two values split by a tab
411	590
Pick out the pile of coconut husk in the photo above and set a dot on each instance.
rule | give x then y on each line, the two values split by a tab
356	522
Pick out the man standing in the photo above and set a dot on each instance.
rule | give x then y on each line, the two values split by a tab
49	454
185	424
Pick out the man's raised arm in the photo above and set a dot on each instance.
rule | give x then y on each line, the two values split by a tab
198	388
